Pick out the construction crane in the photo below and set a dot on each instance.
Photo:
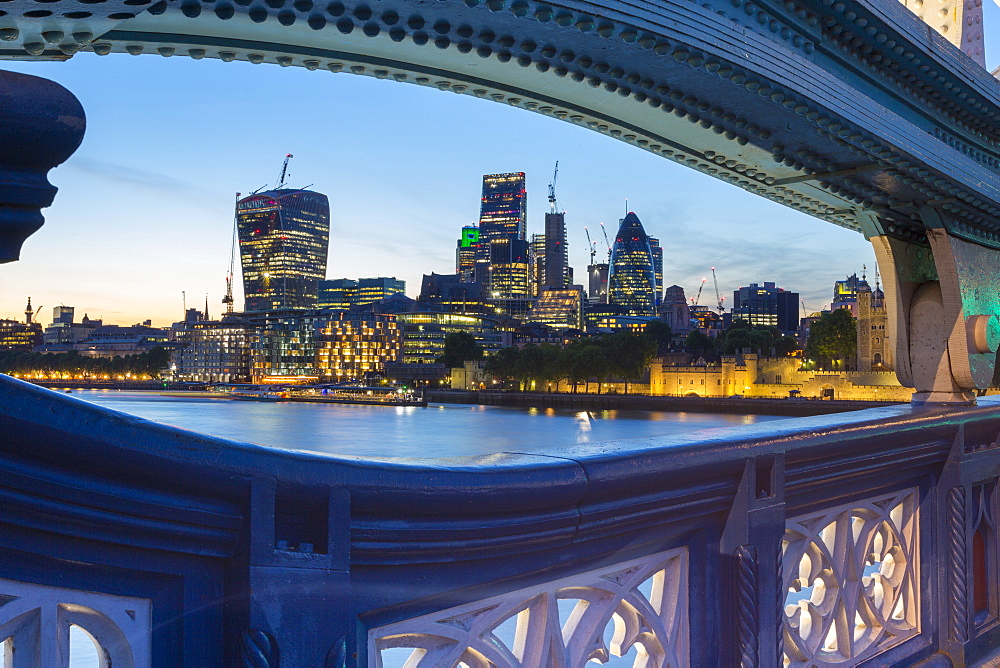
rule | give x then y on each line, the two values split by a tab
591	245
607	242
284	172
718	295
228	299
701	287
803	302
553	207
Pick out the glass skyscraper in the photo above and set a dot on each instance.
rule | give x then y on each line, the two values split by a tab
284	238
632	277
504	209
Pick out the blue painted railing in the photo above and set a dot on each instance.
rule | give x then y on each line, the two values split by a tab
865	538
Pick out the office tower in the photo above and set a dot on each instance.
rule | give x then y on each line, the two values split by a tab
631	280
559	309
597	288
556	271
767	305
654	248
284	238
344	294
503	222
465	254
509	268
537	262
504	209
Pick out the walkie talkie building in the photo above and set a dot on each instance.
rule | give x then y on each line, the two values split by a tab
284	239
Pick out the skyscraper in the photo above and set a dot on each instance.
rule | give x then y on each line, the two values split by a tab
657	251
284	238
503	221
465	253
555	275
631	279
504	209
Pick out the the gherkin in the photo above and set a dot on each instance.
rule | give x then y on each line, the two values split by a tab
632	278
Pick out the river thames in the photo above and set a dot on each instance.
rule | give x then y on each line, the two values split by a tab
439	430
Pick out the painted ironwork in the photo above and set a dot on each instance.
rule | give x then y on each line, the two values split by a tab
560	624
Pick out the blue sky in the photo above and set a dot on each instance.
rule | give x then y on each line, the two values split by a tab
144	209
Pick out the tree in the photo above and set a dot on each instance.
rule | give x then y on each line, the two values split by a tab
699	343
786	345
659	332
459	348
834	337
502	364
629	355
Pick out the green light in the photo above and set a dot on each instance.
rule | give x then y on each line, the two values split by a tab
470	237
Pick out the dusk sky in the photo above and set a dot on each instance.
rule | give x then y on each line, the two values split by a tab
145	206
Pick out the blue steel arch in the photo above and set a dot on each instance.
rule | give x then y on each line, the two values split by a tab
848	110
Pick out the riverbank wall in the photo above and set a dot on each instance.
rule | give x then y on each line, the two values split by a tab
600	402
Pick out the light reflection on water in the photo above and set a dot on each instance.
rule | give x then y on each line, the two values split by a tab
440	430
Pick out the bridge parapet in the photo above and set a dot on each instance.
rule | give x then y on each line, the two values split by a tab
858	539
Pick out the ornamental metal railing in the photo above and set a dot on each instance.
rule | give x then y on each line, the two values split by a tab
861	539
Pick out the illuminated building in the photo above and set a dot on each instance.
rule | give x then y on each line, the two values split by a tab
509	268
64	330
345	294
504	209
767	305
350	346
284	238
283	346
16	335
337	293
874	349
597	289
631	279
559	309
612	323
556	273
424	334
450	293
212	351
845	293
503	222
657	252
709	322
536	262
465	254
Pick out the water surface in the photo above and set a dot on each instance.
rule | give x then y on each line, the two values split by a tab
439	430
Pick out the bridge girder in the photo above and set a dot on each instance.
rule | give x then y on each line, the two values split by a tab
850	111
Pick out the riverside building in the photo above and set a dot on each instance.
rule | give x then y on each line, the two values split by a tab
284	238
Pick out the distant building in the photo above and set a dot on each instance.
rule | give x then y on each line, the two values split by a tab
767	305
632	278
283	346
116	341
536	260
465	254
509	262
346	294
424	334
504	209
64	330
556	274
559	309
284	239
675	312
657	253
503	222
597	289
875	352
448	292
212	351
845	293
351	346
16	335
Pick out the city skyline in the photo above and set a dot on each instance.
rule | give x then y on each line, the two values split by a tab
156	206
